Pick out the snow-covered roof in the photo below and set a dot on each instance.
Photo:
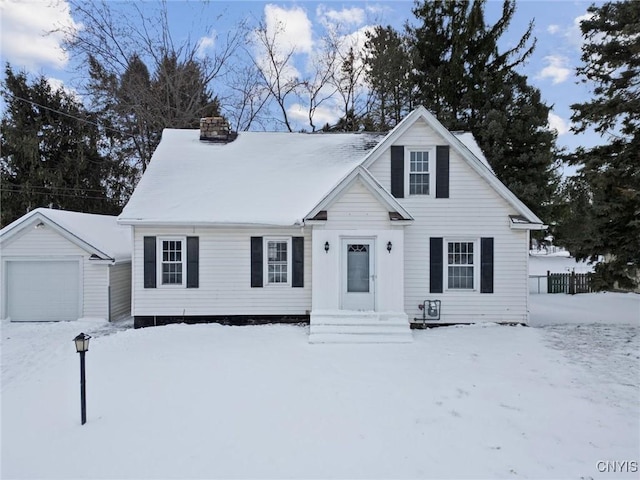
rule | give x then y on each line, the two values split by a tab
469	141
97	233
260	178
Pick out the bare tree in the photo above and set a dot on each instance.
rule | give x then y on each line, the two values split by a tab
140	80
274	63
318	85
247	99
348	77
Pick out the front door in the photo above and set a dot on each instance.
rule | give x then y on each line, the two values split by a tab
358	274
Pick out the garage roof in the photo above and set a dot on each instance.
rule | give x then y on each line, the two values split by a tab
97	234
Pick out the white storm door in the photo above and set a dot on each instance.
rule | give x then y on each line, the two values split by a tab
358	274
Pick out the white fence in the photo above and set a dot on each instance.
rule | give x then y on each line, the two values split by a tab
538	284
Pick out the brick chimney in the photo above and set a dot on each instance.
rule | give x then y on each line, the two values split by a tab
216	129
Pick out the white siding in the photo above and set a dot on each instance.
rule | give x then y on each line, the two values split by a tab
45	243
225	277
473	210
96	289
120	288
357	208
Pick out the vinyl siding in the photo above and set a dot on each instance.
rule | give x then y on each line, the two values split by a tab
120	283
357	208
473	210
45	243
225	277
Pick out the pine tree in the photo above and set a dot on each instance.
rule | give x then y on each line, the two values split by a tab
611	64
52	154
388	67
459	73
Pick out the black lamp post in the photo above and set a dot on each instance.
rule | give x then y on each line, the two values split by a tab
82	346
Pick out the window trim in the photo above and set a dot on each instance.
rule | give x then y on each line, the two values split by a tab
476	263
431	150
265	261
159	262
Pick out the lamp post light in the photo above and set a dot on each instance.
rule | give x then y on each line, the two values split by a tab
82	347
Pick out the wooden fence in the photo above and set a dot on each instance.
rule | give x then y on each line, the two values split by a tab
571	283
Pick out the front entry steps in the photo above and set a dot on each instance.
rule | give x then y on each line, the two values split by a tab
344	326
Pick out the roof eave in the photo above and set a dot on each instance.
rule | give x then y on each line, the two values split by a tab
199	223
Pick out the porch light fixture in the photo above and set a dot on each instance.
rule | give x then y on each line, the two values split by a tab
326	247
389	246
82	347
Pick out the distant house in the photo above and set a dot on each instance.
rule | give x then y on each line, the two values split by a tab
60	265
351	231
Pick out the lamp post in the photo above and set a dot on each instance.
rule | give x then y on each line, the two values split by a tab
82	347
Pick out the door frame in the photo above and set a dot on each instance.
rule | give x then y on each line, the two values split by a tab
371	241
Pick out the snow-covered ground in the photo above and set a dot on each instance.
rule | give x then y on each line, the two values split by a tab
211	401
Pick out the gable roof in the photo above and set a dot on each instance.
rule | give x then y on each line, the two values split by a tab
260	178
463	148
371	184
99	235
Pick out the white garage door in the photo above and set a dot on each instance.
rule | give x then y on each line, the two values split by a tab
41	291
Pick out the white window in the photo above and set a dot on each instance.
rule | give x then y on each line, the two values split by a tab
278	264
420	163
461	265
172	261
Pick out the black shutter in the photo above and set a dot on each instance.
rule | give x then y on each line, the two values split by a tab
193	254
149	262
435	265
297	255
397	171
442	171
256	262
486	265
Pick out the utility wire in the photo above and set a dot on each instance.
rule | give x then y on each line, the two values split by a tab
89	197
33	187
95	124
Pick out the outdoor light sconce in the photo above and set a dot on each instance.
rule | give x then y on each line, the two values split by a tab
326	247
39	225
82	347
389	246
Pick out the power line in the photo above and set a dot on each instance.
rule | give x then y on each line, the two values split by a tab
88	197
31	187
95	124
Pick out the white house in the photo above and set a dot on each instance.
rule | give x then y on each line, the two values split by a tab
60	265
352	231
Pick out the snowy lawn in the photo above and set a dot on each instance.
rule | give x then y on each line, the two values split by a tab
209	401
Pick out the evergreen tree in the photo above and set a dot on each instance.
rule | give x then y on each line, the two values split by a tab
52	155
140	106
387	71
611	63
459	74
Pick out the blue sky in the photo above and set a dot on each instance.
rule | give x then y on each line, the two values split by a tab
551	68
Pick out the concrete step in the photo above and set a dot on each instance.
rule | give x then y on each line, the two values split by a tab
360	338
372	328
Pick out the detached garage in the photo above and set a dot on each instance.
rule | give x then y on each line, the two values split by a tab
58	266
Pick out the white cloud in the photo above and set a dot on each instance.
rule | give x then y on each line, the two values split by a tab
206	44
558	124
324	114
574	34
346	16
556	69
28	38
291	27
553	29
